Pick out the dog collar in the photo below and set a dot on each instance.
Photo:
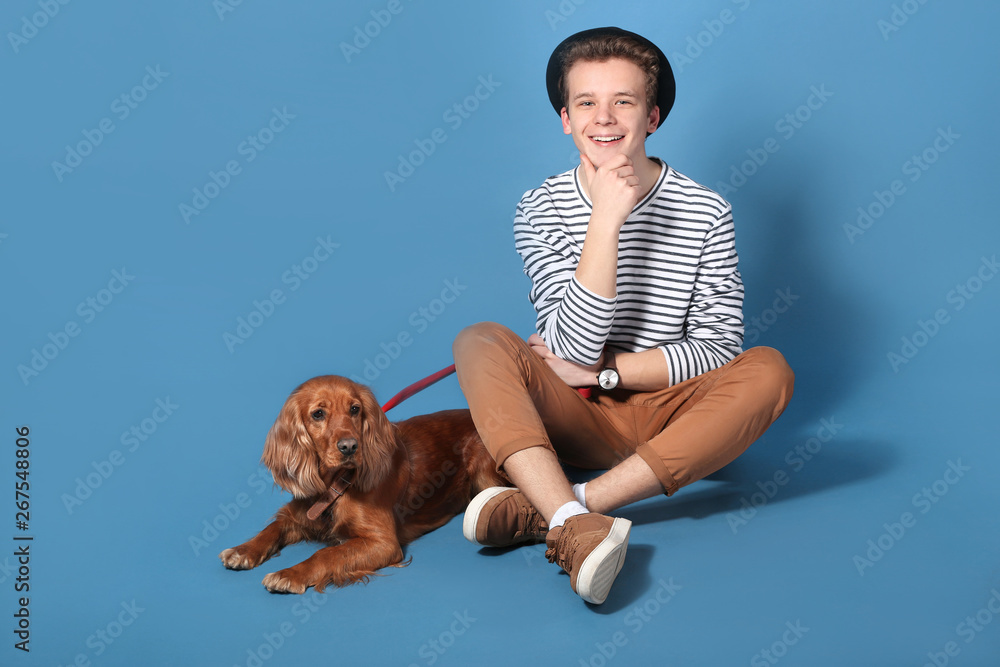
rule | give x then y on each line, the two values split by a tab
336	490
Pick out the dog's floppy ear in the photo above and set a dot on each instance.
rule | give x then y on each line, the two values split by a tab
378	443
290	454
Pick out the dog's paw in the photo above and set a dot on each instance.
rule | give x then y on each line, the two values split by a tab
241	558
285	581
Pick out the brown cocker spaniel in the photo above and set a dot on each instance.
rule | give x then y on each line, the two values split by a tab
362	485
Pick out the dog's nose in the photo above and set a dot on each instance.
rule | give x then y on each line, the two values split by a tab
347	446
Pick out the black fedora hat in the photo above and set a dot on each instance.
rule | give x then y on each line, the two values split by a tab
666	88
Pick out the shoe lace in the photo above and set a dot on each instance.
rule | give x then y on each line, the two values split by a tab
564	548
528	521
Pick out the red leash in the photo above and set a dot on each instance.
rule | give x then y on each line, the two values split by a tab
420	385
417	386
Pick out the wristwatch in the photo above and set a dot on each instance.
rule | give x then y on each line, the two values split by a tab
608	378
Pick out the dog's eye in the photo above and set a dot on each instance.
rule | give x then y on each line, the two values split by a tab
318	415
355	409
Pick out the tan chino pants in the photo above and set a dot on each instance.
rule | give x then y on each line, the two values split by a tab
683	432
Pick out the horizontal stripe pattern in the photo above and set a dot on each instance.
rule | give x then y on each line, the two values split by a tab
679	286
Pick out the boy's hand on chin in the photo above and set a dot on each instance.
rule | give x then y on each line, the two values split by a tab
614	188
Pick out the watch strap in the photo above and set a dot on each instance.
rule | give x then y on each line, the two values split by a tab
609	359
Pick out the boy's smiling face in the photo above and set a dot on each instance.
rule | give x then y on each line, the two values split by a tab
606	111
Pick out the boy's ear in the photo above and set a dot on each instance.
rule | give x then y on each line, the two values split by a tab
654	120
564	114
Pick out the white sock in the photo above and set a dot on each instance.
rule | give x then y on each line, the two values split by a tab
572	508
580	491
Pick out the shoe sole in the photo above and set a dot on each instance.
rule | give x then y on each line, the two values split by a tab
472	512
602	565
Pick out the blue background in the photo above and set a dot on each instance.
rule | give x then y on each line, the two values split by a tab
743	558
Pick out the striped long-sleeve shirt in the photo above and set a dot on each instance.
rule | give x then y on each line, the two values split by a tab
679	288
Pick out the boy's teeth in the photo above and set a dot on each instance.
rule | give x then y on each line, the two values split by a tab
607	138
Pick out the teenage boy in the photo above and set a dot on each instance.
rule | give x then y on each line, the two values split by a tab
635	283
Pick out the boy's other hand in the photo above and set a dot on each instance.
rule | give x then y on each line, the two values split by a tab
572	374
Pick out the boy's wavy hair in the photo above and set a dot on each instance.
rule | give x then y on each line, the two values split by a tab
602	48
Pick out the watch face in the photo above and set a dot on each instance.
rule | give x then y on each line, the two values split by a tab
608	378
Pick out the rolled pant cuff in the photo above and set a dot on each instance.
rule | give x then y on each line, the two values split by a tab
655	464
516	446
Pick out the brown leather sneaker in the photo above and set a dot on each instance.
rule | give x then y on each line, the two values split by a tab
591	548
501	517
